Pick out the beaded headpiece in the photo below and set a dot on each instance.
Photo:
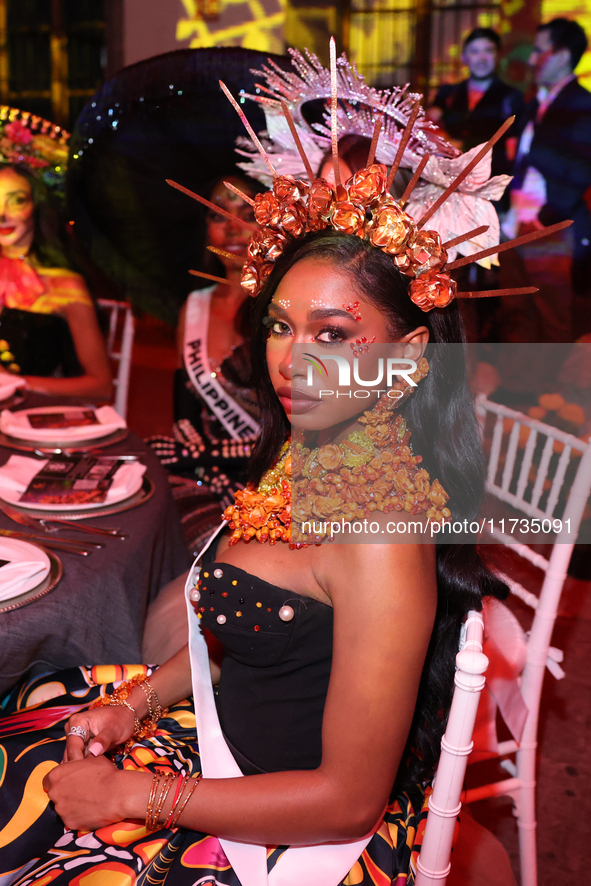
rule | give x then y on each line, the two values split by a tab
37	144
364	207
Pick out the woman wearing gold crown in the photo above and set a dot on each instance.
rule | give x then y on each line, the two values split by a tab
49	333
311	761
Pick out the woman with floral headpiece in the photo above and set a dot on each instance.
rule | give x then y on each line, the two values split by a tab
49	333
338	659
311	762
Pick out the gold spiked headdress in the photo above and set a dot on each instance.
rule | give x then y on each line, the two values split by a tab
364	207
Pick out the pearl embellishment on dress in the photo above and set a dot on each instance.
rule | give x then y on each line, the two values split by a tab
217	573
194	595
221	619
286	613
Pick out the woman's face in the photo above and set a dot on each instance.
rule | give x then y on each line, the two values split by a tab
16	211
318	308
229	235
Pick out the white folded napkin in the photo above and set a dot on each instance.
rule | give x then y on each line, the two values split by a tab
17	424
9	385
28	566
19	470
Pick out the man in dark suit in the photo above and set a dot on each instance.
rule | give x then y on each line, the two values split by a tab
472	111
552	177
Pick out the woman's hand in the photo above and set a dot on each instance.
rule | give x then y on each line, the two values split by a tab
86	793
96	731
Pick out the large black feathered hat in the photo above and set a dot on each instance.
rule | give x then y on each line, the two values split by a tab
160	118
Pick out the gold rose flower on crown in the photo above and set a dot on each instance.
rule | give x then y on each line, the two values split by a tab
364	207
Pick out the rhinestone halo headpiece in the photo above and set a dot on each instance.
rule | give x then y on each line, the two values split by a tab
359	106
362	207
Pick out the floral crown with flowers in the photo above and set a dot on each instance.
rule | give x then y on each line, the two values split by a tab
35	143
364	207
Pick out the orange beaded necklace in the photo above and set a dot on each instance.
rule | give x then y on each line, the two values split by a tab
372	470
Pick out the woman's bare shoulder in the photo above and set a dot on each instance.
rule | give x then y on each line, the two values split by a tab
379	568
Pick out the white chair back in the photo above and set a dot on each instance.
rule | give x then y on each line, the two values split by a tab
120	333
433	864
545	473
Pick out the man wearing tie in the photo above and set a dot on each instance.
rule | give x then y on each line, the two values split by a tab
552	176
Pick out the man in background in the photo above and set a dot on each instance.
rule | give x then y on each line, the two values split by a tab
552	178
470	112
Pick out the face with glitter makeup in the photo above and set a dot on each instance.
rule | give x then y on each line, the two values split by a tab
224	233
318	296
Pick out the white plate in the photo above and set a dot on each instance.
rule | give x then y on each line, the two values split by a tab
16	425
13	549
114	496
44	587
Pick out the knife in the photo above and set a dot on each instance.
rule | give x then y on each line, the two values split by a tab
40	523
70	547
69	541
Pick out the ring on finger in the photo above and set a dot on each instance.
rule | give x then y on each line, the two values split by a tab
79	731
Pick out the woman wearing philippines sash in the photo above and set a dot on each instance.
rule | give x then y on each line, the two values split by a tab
216	414
311	764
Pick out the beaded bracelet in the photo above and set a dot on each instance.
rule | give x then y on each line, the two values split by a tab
146	727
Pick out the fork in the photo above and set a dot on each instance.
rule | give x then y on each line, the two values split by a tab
72	547
42	523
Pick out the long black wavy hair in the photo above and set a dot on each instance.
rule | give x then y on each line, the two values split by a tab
444	431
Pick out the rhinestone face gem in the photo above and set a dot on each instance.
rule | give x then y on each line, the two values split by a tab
238	614
217	573
221	619
206	575
259	605
194	595
286	613
234	582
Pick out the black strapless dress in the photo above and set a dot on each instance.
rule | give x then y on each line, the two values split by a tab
271	698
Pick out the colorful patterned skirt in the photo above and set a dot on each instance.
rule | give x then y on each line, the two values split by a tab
36	849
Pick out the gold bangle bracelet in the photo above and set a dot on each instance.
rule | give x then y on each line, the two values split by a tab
195	781
151	799
168	782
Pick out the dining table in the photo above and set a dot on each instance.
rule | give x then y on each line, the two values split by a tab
96	613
